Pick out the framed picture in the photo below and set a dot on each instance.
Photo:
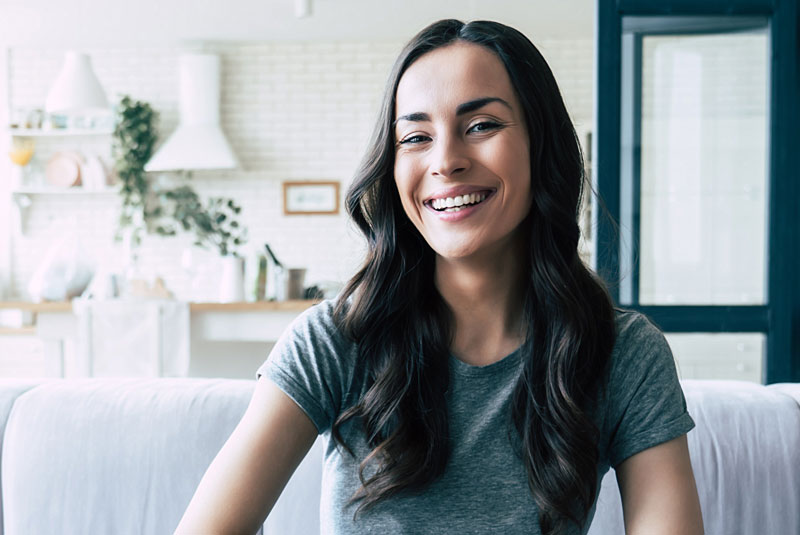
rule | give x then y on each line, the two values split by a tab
311	198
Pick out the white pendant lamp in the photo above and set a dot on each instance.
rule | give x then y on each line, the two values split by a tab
76	89
302	8
198	142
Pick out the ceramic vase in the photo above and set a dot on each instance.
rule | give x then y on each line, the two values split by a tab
231	286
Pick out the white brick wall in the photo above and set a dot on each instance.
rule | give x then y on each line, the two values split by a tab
291	111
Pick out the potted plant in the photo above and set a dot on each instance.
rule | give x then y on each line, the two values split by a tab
145	209
215	226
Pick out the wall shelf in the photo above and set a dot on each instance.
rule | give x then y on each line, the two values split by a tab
17	331
58	132
23	198
43	190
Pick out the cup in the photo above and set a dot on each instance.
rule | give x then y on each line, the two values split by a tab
21	151
295	282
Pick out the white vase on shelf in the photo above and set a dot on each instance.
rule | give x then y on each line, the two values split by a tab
231	286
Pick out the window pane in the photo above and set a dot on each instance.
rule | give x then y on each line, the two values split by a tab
703	169
737	356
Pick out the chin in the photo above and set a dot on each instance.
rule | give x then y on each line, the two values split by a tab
455	253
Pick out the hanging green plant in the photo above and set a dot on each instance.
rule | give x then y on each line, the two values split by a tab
135	136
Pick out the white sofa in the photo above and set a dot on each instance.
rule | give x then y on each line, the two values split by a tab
124	456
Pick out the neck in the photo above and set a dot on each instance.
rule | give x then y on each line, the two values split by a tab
486	296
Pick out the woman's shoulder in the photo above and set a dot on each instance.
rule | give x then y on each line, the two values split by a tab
639	347
313	363
632	326
315	341
320	313
318	323
644	404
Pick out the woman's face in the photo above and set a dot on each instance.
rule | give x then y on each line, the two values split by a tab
462	163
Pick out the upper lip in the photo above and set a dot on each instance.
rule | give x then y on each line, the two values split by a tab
455	191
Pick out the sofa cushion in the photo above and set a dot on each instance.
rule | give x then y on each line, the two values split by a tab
113	455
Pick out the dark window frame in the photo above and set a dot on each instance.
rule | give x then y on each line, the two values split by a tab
779	318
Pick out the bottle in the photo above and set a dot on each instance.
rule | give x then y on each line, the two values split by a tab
255	268
251	272
261	279
276	282
255	277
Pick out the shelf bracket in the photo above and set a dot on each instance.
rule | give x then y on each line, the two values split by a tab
23	203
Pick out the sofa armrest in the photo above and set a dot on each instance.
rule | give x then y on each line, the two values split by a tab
10	390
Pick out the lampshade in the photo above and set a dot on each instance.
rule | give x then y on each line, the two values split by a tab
198	142
76	89
302	8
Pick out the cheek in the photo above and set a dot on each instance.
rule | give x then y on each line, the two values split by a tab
523	168
407	185
521	173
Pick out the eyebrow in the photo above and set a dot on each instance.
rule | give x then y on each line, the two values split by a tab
463	108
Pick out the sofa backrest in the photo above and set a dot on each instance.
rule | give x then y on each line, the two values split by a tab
124	456
745	452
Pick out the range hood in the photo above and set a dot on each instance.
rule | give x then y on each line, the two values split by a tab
198	142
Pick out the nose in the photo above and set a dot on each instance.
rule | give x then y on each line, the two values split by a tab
449	157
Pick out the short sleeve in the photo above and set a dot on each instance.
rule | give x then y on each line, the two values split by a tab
646	406
307	364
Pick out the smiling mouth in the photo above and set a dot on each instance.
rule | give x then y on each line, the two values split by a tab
457	203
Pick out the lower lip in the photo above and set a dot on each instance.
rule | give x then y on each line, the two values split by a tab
461	214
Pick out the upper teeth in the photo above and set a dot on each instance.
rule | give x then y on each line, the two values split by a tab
458	200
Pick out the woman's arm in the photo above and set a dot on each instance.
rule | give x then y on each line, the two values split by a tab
658	491
245	479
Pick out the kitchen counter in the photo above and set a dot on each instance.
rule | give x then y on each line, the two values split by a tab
55	306
244	306
56	324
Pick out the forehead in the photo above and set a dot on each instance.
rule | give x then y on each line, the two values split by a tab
450	75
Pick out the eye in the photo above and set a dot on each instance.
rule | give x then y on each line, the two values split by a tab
413	139
484	126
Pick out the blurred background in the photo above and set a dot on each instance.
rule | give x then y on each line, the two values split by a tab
242	127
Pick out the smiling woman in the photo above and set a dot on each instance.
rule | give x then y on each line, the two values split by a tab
473	376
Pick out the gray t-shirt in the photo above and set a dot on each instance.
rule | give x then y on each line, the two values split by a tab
484	489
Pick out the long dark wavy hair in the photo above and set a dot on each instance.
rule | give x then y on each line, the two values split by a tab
403	328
